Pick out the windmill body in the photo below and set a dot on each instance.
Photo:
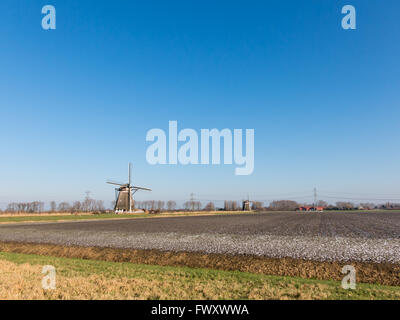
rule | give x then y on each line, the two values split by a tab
124	194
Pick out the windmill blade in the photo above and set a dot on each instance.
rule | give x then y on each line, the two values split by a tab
117	183
141	188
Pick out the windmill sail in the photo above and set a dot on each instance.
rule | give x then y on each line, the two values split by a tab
140	188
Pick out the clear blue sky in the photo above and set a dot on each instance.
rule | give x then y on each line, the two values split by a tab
76	102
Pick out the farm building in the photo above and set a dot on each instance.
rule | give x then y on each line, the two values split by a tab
310	208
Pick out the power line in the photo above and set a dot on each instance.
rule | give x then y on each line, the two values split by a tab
363	193
315	197
192	200
365	199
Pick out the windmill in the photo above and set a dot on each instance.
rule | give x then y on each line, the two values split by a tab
124	193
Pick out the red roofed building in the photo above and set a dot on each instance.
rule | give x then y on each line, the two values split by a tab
310	208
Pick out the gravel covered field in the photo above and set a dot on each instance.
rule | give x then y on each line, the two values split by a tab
327	236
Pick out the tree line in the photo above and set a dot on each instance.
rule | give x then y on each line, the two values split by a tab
39	206
27	207
276	205
92	205
87	205
155	205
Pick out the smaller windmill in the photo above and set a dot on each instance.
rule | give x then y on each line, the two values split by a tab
124	194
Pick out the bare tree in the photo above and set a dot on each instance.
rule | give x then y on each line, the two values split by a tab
171	205
230	205
143	205
281	205
88	203
77	206
160	205
188	205
209	206
26	207
256	205
64	207
53	206
322	203
99	205
344	205
235	206
11	207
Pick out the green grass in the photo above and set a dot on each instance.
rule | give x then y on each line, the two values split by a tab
69	217
206	283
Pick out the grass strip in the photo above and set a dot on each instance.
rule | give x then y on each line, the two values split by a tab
20	275
375	273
